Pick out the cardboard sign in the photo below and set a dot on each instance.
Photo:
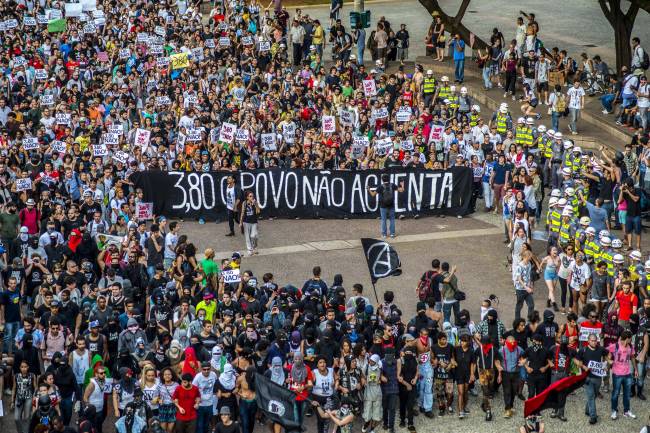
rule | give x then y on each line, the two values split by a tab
29	22
381	113
59	146
231	276
197	54
227	132
19	61
90	28
115	128
84	18
369	88
121	156
162	62
403	114
142	37
156	49
30	143
73	10
268	142
54	14
383	146
209	43
142	137
328	124
41	19
99	150
110	139
407	145
159	30
598	368
265	46
10	24
242	135
359	145
144	211
63	118
23	184
88	5
436	133
124	53
346	117
193	134
47	100
247	41
224	42
40	74
163	100
179	61
289	132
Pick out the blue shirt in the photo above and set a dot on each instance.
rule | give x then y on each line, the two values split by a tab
500	173
489	167
598	217
458	55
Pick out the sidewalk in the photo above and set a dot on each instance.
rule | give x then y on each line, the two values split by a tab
594	128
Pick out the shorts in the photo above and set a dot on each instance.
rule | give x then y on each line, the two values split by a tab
167	413
633	224
598	299
542	87
622	217
533	102
372	410
461	377
549	275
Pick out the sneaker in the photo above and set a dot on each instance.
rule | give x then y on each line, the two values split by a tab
505	95
593	420
429	414
605	112
640	396
553	414
364	429
507	414
461	415
629	414
574	132
614	414
230	234
488	415
402	424
450	410
201	221
411	428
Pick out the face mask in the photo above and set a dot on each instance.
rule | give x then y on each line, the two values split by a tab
251	335
133	329
344	410
24	237
50	230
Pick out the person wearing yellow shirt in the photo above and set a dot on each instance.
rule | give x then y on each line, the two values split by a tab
208	305
318	37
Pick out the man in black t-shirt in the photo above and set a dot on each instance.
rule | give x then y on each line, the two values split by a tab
632	197
593	358
386	194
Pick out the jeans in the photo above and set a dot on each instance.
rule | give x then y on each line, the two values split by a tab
11	329
607	101
446	310
247	410
389	406
592	386
360	50
300	408
524	296
629	99
488	195
203	417
618	381
459	71
425	387
486	78
250	233
574	114
641	366
65	405
384	213
555	120
22	414
643	114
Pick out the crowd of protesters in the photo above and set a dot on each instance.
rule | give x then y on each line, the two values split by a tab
105	315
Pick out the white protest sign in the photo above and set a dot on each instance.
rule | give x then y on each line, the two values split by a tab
383	146
98	13
224	42
121	156
328	124
231	276
403	114
58	146
436	133
359	145
227	132
10	24
193	134
63	118
30	143
19	61
268	142
156	49
41	19
47	100
115	128
407	144
23	184
265	46
124	53
159	30
110	139
381	113
247	40
209	43
369	87
162	62
346	117
88	5
598	368
241	135
163	100
586	332
144	211
90	28
54	14
40	74
29	21
142	137
142	37
197	54
73	10
99	150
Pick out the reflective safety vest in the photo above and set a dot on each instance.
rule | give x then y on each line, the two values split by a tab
548	148
575	203
444	92
429	86
502	123
473	119
556	221
567	160
607	257
591	249
520	135
581	238
566	232
524	137
453	101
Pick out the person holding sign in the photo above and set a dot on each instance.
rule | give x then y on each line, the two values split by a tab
248	222
592	358
621	358
386	192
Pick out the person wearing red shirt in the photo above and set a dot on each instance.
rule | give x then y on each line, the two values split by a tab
626	303
301	380
590	326
186	399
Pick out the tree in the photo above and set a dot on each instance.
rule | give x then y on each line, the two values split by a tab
453	24
622	23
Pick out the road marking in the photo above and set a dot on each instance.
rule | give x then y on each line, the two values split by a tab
334	245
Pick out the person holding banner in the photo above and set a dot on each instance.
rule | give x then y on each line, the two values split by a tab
386	192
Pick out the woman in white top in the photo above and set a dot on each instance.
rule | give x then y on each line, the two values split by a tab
80	360
566	260
325	382
150	388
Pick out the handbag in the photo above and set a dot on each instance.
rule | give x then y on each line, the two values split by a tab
460	295
534	274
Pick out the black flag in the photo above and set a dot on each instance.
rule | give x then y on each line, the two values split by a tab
277	403
382	259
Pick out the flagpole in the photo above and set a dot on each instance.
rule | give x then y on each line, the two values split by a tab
375	289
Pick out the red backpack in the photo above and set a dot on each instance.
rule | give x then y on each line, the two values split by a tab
425	284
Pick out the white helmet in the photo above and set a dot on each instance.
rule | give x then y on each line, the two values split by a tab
541	128
636	255
556	193
605	241
647	264
567	144
558	135
617	243
590	231
568	212
577	149
530	121
603	234
561	202
476	108
552	201
570	191
452	88
444	78
429	72
463	90
550	132
618	259
521	120
585	221
566	171
503	109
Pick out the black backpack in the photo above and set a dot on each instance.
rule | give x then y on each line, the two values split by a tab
387	197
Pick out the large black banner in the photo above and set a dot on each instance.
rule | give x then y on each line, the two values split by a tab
307	193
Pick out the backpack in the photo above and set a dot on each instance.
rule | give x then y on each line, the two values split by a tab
645	59
560	105
387	196
425	284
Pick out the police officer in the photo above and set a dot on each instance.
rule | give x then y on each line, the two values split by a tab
428	88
